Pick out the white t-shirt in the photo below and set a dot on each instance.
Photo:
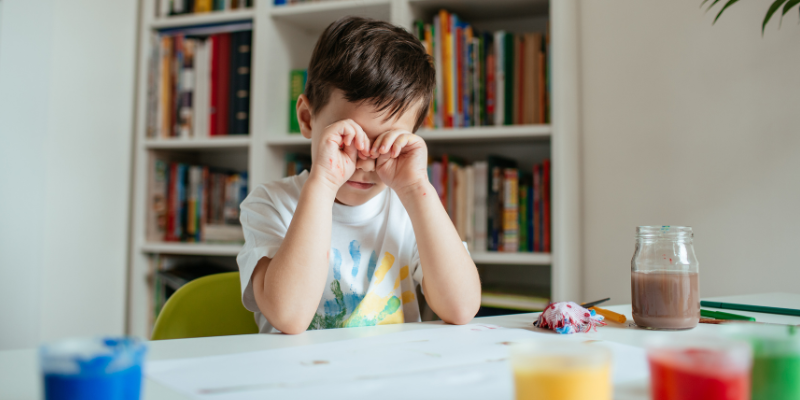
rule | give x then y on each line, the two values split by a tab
374	264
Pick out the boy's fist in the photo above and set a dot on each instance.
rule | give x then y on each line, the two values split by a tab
402	159
336	152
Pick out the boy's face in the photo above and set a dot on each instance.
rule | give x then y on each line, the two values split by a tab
365	183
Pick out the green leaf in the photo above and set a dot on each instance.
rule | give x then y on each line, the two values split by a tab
728	4
712	5
789	5
703	3
774	7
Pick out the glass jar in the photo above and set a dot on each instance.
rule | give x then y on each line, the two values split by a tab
665	278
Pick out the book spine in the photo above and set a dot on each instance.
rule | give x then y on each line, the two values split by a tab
480	186
172	201
468	72
296	87
166	98
500	78
447	60
522	224
157	208
495	205
187	88
454	88
476	82
182	184
427	38
191	202
224	82
518	68
546	206
176	64
489	84
213	108
508	90
537	198
529	222
457	65
510	210
541	87
531	81
240	83
469	206
152	87
437	51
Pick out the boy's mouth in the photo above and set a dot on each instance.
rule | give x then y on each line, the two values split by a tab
360	185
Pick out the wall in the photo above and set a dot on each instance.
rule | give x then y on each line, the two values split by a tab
66	108
689	124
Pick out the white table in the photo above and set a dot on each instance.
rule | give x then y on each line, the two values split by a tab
19	375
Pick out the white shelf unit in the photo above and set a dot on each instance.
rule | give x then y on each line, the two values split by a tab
283	39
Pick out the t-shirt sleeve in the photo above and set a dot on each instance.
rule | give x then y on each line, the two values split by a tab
264	222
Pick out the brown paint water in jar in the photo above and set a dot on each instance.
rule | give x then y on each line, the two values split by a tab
665	299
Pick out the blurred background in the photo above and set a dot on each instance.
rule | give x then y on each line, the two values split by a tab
651	116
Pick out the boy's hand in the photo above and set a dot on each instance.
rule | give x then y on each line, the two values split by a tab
402	159
336	152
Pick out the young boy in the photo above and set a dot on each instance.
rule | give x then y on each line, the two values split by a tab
346	244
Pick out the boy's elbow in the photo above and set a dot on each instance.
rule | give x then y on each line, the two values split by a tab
291	325
284	320
462	315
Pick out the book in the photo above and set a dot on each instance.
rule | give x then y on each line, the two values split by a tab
469	206
546	247
495	199
297	85
499	78
509	56
239	114
480	187
484	78
224	83
510	210
522	224
537	208
157	202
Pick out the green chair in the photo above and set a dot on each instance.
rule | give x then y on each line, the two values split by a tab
207	306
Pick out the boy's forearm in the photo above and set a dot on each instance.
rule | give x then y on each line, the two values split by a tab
296	276
451	283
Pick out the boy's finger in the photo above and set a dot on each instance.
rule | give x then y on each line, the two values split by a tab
388	140
398	145
377	144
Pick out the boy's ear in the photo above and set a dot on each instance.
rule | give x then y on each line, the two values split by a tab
304	116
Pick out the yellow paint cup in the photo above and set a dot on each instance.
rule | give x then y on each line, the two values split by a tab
561	370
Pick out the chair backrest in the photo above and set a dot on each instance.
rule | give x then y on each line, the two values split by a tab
207	306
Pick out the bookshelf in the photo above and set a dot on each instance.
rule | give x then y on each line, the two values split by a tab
283	39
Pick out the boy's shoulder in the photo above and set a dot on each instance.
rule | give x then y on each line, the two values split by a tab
286	190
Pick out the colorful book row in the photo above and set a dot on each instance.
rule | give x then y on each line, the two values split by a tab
167	8
199	82
192	203
495	206
485	78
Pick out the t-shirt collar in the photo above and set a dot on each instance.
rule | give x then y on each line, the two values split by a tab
356	214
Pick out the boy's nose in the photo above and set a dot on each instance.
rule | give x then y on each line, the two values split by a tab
367	165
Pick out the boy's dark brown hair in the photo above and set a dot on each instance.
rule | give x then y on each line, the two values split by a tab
373	61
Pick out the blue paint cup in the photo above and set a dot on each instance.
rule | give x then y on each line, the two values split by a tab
93	368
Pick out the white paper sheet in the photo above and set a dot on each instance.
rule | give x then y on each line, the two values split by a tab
450	362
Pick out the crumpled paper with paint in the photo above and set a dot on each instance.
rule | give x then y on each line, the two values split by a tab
568	317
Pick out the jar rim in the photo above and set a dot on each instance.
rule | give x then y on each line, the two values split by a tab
664	231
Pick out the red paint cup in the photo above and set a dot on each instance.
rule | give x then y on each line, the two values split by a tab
695	368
